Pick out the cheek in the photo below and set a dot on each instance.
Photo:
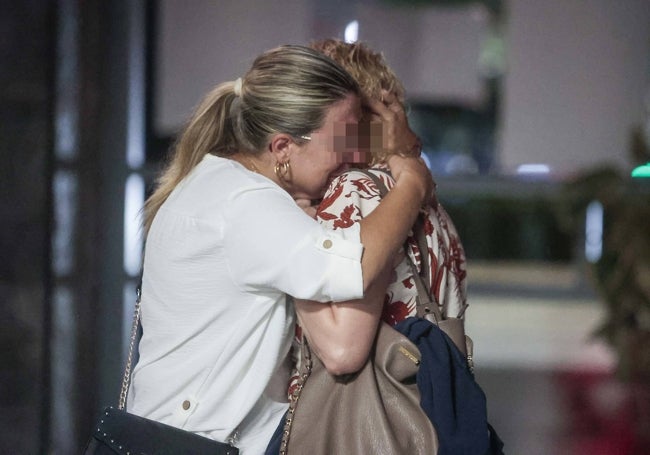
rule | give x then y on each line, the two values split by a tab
318	170
328	161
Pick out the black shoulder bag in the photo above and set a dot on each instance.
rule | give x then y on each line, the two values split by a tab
119	432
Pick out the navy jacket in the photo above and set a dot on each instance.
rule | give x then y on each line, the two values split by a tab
450	395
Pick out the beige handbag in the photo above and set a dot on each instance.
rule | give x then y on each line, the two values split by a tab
376	410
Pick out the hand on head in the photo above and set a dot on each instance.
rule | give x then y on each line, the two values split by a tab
401	146
397	136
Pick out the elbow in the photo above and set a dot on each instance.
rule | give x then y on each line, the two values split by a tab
341	360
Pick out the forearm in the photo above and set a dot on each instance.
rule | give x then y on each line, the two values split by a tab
384	230
341	334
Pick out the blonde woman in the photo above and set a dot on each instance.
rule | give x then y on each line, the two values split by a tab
226	244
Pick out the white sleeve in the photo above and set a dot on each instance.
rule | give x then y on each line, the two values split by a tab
272	245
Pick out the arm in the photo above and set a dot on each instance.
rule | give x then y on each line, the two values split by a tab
385	229
341	334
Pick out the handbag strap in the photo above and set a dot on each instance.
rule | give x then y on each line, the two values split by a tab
427	307
126	378
304	373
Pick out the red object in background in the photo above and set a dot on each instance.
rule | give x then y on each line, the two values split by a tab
604	415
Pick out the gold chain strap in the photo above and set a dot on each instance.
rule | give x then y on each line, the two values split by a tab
295	395
126	380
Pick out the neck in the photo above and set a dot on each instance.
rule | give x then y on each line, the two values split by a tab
247	161
259	165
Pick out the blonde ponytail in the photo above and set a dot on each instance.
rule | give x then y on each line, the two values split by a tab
287	90
209	130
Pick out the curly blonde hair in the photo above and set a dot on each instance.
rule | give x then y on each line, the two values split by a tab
369	68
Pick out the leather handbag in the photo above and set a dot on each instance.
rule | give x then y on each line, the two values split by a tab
378	410
119	432
374	411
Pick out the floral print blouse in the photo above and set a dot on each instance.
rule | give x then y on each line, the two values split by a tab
353	195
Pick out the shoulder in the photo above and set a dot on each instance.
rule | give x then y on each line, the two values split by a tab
361	181
351	196
222	189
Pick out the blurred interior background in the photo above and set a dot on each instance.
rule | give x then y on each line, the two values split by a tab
533	115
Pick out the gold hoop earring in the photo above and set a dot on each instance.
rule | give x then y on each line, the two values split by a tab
283	171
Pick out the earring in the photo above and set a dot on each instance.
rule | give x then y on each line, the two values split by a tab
283	171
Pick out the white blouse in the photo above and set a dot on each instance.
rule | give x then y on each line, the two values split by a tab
221	256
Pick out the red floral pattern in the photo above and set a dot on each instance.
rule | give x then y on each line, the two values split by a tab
353	195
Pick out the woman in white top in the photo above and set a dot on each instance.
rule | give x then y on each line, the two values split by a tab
226	244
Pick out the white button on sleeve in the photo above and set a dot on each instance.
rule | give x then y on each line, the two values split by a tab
271	244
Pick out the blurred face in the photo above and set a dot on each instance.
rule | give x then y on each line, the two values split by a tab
329	152
370	135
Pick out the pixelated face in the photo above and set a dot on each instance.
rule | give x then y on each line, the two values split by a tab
329	151
370	136
341	140
354	141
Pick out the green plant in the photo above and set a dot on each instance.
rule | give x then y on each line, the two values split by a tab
622	274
